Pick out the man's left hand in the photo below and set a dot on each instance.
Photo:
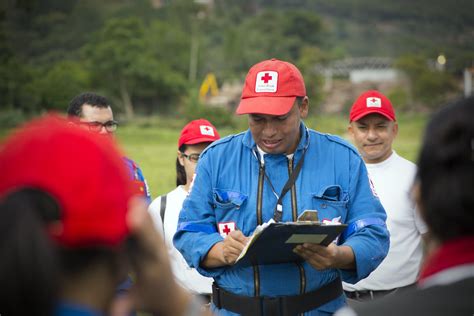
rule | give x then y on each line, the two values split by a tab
326	257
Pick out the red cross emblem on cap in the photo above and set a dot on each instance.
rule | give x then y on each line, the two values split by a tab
374	102
266	81
206	130
266	78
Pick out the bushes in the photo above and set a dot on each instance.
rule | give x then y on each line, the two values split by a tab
429	87
218	116
11	118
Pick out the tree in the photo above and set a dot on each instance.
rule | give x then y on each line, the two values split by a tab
126	63
428	86
112	55
309	57
58	85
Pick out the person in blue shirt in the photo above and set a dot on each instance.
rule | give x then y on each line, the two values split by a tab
94	112
240	183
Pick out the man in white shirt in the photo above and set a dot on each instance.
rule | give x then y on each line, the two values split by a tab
373	128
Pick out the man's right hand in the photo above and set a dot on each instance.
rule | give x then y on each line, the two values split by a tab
227	251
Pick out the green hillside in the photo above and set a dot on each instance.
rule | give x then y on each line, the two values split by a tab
150	58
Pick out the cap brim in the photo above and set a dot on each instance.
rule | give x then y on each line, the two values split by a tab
266	105
201	140
365	113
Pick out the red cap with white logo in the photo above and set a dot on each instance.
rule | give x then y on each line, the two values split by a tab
198	131
369	102
271	87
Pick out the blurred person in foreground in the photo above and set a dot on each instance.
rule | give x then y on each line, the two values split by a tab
277	169
444	191
373	128
194	138
71	227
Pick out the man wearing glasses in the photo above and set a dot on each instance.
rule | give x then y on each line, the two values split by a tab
93	112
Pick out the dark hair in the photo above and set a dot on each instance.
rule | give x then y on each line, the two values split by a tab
446	171
180	172
75	106
32	264
29	267
300	100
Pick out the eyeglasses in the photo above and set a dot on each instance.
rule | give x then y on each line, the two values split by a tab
191	157
96	127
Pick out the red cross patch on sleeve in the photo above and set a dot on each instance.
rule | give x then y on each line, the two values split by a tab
225	228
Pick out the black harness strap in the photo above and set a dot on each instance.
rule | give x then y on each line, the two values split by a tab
278	213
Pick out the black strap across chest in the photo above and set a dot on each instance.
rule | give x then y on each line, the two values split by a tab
278	212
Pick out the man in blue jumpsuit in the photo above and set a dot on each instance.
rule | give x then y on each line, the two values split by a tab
239	183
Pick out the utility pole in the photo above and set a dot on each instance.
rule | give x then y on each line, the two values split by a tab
194	49
468	81
193	56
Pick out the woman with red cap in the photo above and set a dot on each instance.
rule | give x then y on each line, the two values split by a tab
194	138
71	227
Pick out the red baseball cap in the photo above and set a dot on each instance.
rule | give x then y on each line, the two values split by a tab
369	102
84	173
198	131
271	87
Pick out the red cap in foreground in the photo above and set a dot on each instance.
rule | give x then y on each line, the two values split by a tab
84	173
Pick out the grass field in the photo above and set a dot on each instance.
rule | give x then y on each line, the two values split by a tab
152	143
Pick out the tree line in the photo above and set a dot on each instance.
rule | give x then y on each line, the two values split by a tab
150	56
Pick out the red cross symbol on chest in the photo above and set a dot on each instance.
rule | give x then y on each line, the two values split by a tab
225	228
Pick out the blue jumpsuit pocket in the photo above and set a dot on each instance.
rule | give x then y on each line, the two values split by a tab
228	200
227	205
331	203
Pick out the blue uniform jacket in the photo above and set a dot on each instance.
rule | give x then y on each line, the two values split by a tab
229	187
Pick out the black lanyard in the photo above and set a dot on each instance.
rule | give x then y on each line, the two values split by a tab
278	212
